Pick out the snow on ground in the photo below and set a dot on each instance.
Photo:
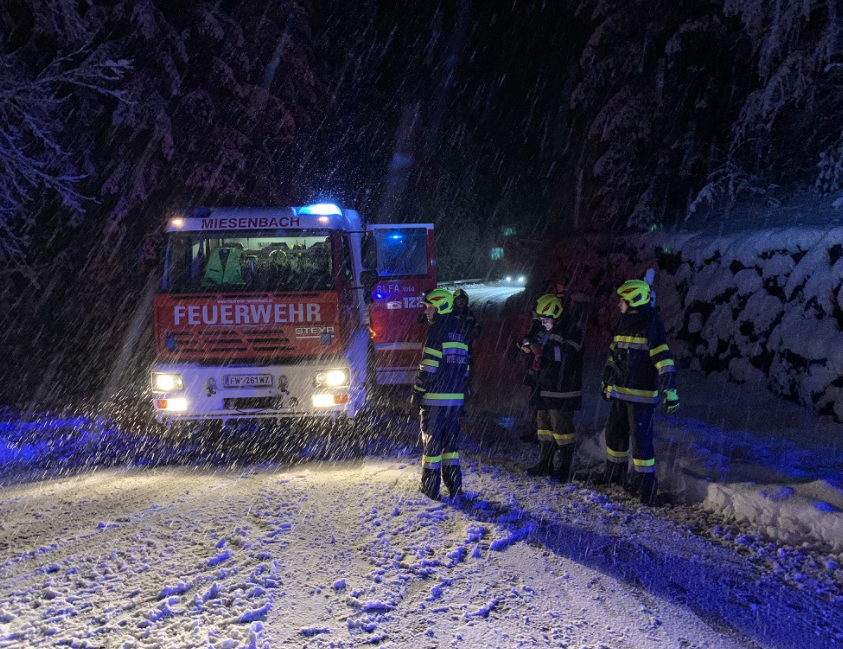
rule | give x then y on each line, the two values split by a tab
308	539
259	545
350	554
745	454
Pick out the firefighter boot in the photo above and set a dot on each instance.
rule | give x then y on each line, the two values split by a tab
545	464
613	473
430	483
633	483
562	473
649	489
452	477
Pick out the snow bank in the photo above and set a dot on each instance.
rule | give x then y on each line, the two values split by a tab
762	306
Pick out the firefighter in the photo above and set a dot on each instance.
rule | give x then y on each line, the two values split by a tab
468	323
440	392
463	311
552	287
559	358
639	363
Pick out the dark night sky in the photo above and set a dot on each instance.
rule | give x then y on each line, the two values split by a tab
490	90
556	116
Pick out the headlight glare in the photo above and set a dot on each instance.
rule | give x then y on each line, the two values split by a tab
167	382
335	378
173	405
331	378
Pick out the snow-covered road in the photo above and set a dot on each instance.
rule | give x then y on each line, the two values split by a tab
349	554
487	296
110	538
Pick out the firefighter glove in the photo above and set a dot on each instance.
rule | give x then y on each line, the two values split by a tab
671	401
605	391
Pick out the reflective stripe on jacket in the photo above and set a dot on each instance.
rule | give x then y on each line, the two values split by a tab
443	369
639	358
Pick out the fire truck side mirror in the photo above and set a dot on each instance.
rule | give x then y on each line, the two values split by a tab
369	253
368	278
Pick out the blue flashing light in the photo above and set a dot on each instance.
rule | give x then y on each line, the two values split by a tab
321	209
396	236
379	296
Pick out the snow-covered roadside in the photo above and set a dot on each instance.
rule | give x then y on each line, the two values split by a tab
737	451
748	553
350	554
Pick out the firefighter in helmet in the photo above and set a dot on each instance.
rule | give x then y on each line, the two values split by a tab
440	392
552	287
639	364
462	310
558	360
468	322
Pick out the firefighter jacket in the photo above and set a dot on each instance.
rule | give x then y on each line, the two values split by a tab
469	327
560	357
444	368
639	359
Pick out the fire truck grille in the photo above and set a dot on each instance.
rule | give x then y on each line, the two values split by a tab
226	341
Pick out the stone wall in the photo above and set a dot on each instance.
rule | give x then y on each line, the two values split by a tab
763	306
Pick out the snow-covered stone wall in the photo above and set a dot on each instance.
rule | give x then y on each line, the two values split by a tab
763	306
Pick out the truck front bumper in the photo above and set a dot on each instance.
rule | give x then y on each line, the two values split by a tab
264	392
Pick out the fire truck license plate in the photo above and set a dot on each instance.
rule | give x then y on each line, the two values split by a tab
247	381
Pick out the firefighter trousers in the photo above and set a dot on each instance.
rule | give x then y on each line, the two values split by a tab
556	426
631	423
555	431
440	431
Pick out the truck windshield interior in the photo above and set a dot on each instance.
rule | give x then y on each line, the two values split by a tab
401	252
254	261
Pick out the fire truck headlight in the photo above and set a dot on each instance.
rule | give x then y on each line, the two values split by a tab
521	279
331	378
167	382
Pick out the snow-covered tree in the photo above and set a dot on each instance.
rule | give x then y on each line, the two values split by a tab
123	111
33	156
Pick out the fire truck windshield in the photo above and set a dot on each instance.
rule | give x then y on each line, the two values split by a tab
402	252
249	261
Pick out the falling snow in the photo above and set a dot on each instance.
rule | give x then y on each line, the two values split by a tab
117	539
511	125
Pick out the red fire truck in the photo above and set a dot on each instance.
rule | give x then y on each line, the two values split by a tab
285	312
406	269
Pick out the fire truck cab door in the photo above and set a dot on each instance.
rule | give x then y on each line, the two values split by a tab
406	269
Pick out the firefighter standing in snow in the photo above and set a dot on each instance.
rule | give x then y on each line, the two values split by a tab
468	323
558	359
639	362
440	392
531	378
